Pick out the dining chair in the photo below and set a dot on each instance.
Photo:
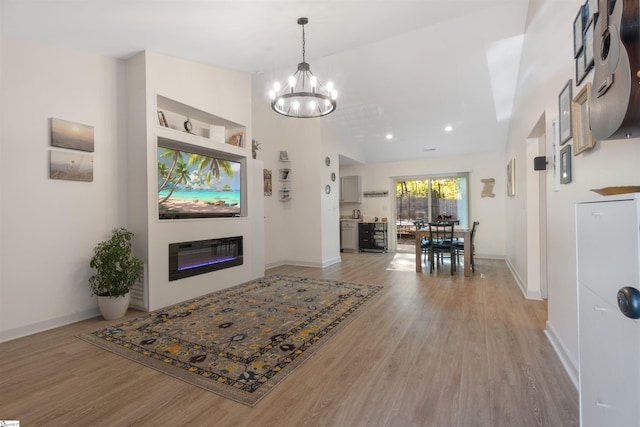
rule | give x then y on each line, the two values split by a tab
459	245
441	238
424	242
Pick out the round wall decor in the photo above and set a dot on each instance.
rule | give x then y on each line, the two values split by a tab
327	189
327	161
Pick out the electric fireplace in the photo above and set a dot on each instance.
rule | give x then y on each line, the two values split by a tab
188	259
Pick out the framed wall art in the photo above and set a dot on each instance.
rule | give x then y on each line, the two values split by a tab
70	166
268	183
564	106
578	31
588	46
581	71
71	135
511	178
582	136
565	164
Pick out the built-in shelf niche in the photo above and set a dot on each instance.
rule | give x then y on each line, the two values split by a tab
206	128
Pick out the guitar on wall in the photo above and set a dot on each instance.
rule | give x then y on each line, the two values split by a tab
615	100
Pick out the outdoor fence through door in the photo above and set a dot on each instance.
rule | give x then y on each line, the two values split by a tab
430	199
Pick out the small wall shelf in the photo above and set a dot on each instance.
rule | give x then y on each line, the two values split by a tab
284	175
175	118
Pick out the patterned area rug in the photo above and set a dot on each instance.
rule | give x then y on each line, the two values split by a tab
242	341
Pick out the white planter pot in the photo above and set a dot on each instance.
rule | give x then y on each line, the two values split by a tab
114	307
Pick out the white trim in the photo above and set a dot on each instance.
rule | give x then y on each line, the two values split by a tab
528	294
304	263
45	325
565	357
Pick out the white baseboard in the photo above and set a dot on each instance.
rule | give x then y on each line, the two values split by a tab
528	294
301	263
45	325
565	357
516	276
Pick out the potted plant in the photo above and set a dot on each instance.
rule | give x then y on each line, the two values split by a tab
116	271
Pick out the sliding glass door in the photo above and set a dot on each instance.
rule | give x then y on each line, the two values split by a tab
430	198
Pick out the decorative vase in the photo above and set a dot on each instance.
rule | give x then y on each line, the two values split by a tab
113	308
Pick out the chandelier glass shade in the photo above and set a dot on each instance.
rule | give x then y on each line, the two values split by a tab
303	96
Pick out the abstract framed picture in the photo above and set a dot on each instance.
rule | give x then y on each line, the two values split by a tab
511	178
75	136
565	164
71	166
564	106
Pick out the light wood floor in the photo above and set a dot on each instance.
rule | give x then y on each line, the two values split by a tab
432	350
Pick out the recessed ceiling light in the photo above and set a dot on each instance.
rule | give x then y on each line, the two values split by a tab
389	136
448	128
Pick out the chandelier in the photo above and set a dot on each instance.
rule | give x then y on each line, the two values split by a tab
304	96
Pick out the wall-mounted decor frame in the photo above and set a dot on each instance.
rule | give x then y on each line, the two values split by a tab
284	157
72	135
268	183
581	71
582	136
588	43
565	164
564	107
578	32
511	178
71	166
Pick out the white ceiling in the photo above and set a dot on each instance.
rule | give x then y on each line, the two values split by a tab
403	67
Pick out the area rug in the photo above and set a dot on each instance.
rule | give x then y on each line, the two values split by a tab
242	341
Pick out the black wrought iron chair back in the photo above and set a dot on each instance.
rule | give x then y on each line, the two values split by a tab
460	246
442	244
424	242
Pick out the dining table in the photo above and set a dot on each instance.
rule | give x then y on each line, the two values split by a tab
457	232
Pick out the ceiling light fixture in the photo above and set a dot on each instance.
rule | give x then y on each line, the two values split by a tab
389	136
304	96
448	128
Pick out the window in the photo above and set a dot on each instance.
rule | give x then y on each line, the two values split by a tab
430	198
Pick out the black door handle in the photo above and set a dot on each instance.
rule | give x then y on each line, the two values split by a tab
629	302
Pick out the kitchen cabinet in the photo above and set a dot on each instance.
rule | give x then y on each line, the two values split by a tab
373	236
608	259
350	189
349	235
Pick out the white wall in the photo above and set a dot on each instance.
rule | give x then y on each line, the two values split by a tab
547	63
490	211
48	227
304	230
225	94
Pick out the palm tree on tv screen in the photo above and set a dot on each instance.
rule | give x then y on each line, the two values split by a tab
180	174
214	166
175	156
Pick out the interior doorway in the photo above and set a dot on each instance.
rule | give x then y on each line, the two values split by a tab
428	198
536	217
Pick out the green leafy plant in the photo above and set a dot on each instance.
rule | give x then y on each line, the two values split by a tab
117	270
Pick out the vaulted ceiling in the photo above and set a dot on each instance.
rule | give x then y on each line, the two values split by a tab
403	67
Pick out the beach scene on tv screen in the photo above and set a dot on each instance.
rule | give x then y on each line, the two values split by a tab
194	185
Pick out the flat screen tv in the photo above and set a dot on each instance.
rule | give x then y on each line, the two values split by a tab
193	185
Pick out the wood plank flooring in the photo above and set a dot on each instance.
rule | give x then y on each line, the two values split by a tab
432	350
